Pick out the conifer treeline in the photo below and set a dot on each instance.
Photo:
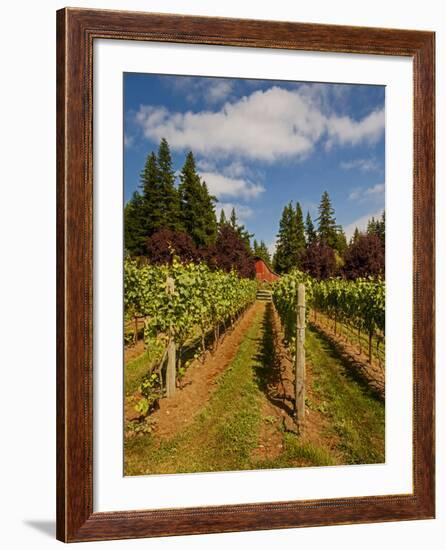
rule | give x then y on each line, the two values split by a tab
162	218
324	252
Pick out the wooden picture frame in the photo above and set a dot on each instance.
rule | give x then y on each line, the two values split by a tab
76	31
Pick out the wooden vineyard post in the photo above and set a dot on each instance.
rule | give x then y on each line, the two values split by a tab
300	360
171	352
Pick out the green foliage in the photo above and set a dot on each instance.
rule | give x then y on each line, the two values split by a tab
176	300
359	303
197	205
300	230
310	232
327	228
134	225
201	298
170	199
290	240
152	207
158	204
241	230
378	227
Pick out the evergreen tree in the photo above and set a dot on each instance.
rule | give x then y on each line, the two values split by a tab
233	219
170	199
310	232
300	230
355	237
209	218
151	205
327	228
241	230
197	206
134	225
222	218
341	241
377	227
289	247
382	229
371	226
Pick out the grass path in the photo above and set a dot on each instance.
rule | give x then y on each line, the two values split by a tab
239	419
354	412
223	433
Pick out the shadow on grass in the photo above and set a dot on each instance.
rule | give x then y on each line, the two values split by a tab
353	369
268	371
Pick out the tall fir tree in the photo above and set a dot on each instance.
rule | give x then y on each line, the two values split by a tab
327	228
341	241
289	248
233	219
209	216
197	205
223	219
300	230
170	198
382	229
241	230
152	208
310	232
134	226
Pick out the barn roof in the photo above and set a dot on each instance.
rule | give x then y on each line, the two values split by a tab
259	259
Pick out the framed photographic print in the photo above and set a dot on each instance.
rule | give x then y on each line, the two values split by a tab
245	275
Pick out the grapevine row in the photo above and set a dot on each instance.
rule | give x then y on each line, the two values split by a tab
358	304
182	301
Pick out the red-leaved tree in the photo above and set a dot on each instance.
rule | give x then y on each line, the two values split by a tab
319	261
364	257
165	243
231	252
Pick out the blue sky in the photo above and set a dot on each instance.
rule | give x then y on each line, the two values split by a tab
260	143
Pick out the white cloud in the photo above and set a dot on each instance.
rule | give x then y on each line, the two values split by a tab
266	125
361	223
242	211
224	186
218	90
344	130
376	192
236	169
211	90
363	165
206	165
325	96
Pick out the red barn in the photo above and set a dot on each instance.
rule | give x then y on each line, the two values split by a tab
263	272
